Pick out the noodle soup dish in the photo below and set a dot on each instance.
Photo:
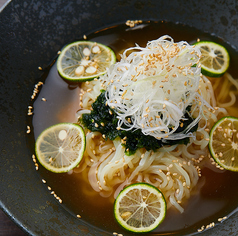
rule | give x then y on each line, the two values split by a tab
155	116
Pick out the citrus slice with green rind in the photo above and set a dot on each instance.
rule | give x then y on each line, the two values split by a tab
60	147
84	60
140	208
215	58
223	143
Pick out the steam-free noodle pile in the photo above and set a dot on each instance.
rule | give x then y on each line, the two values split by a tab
173	169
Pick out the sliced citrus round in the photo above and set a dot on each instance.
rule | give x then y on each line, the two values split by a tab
84	60
140	208
223	143
60	147
215	58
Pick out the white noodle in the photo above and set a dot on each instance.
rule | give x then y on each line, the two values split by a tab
172	169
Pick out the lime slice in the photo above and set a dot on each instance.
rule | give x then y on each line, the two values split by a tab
84	60
215	58
60	147
140	208
223	143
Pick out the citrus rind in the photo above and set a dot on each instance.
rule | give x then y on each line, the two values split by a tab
60	147
223	144
137	201
215	58
72	56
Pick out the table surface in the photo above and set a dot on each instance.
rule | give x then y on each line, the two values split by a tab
7	227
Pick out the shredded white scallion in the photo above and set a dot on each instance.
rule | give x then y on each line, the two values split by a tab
154	86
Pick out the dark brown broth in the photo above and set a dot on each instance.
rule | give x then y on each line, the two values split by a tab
215	195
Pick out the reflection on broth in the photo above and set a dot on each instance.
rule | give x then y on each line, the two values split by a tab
214	195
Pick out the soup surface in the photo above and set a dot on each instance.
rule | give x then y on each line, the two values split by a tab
216	193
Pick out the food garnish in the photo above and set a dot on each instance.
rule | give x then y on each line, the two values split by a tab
153	92
60	147
140	208
84	60
215	58
223	143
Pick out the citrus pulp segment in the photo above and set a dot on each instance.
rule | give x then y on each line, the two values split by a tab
84	60
223	143
60	147
215	58
140	208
